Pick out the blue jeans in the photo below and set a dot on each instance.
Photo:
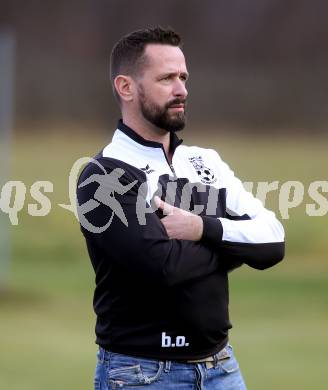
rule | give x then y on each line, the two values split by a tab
117	371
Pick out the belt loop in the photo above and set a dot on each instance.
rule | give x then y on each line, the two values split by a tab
167	366
101	355
104	356
216	359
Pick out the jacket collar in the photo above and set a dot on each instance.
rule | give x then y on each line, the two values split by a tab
175	141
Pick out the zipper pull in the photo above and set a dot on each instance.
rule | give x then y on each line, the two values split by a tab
173	170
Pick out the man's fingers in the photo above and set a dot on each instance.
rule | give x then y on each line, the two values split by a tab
158	202
165	207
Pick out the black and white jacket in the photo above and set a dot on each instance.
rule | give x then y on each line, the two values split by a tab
156	297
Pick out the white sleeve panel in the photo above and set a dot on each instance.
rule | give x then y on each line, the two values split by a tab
259	224
263	228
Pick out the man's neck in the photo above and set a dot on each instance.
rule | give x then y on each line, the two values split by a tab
149	132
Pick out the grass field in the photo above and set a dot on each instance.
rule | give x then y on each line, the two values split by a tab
280	315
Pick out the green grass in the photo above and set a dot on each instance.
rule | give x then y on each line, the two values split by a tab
280	315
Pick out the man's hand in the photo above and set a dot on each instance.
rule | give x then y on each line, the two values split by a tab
180	224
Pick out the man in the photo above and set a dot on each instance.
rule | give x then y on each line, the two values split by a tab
164	223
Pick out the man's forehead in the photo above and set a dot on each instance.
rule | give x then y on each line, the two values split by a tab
165	56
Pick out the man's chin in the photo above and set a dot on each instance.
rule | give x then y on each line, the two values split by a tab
177	122
175	127
171	127
170	122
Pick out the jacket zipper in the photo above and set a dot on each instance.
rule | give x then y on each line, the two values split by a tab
173	170
170	164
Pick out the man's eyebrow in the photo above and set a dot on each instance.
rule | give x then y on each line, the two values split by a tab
173	73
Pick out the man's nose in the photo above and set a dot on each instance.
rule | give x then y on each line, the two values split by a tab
180	89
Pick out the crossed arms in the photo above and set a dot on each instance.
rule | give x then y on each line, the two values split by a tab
182	246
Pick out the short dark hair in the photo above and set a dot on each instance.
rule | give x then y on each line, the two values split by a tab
127	56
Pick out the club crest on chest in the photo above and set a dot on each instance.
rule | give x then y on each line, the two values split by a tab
205	174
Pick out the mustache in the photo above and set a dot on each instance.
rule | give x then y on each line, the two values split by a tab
176	101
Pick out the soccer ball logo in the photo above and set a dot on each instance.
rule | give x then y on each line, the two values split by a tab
206	174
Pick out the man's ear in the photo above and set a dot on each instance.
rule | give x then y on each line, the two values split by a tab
124	87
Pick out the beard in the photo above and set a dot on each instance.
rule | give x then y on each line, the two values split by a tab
160	116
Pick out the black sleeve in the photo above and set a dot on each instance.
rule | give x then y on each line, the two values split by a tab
256	255
142	249
212	236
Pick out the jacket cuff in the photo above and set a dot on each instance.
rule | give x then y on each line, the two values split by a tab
212	229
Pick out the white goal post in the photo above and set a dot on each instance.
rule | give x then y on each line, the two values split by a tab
7	71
